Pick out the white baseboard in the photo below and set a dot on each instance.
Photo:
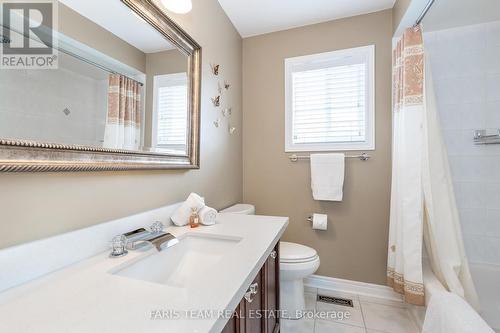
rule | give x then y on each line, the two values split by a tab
353	287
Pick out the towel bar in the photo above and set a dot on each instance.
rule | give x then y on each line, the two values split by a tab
295	158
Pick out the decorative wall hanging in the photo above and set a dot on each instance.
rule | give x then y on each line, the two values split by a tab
227	112
227	85
216	101
215	69
217	123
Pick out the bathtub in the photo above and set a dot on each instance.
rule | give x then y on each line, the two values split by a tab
486	279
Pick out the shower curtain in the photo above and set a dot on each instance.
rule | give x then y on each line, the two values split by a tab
123	121
404	271
423	207
442	232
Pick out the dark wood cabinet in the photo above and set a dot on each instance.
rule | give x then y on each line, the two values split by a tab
258	310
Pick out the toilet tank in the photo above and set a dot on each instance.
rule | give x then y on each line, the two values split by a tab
240	209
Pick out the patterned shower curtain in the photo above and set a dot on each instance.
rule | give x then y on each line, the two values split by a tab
404	272
423	205
123	122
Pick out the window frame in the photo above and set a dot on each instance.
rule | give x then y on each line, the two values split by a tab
173	78
308	61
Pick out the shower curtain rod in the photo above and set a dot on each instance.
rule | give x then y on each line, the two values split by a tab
424	12
95	64
74	55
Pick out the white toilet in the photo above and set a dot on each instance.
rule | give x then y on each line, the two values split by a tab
296	263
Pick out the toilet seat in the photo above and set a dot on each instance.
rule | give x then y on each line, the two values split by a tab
245	209
291	253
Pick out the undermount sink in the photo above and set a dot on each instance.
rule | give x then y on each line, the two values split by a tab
181	264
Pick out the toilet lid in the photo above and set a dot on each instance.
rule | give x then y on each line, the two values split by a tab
240	209
293	252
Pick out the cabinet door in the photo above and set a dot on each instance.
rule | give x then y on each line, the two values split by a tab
234	324
258	310
253	306
271	291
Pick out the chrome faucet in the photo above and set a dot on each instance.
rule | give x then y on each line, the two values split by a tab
163	241
135	239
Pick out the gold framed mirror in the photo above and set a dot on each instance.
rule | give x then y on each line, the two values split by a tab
125	94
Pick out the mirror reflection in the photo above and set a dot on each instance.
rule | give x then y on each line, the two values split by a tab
119	84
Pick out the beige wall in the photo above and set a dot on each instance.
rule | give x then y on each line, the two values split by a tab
37	205
355	245
165	62
398	11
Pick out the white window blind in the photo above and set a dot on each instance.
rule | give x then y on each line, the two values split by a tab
329	101
171	112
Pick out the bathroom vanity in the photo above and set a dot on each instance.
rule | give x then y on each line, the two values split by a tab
257	312
195	286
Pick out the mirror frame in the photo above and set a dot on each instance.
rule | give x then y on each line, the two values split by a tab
33	156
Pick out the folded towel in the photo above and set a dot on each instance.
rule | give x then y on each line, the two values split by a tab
448	312
327	176
208	215
182	214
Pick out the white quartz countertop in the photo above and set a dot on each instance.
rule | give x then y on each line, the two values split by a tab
87	297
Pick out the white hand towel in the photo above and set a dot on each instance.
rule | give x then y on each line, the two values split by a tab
182	214
448	313
327	176
208	215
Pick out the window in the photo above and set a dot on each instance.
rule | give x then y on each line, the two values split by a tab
170	112
330	101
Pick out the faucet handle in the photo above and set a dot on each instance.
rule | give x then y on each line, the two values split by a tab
157	227
118	244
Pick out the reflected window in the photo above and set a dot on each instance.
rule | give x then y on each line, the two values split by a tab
170	112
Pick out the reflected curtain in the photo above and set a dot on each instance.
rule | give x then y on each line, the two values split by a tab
423	206
123	121
404	272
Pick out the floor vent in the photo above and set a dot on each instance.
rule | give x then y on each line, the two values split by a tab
336	300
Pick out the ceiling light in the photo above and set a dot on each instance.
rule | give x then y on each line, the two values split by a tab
178	6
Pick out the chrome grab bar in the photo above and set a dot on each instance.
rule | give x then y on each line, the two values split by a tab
295	158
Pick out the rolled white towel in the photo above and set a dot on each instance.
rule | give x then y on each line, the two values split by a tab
208	215
182	214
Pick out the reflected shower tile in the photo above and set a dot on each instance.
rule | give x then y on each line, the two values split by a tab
473	221
492	34
493	87
453	141
471	195
492	59
447	91
472	115
468	168
492	222
471	89
468	145
483	249
493	114
491	165
492	195
450	117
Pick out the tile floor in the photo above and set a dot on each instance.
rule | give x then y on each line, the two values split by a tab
369	315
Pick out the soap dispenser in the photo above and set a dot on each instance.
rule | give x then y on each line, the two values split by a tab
194	219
